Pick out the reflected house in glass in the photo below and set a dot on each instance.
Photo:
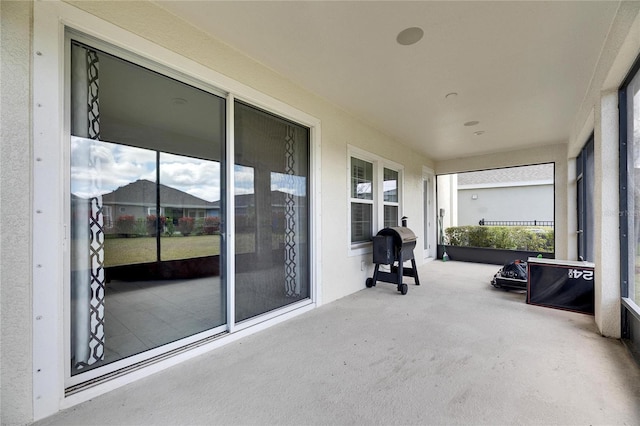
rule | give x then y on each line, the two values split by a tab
245	210
138	199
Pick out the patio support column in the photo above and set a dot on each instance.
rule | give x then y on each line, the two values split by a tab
607	246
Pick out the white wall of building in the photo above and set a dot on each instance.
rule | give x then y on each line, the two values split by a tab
505	203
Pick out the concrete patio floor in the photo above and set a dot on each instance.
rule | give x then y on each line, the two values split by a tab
452	351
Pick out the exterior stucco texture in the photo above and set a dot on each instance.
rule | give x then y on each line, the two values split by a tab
15	208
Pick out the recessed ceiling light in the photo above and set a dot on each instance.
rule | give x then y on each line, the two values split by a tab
479	132
410	36
471	123
450	95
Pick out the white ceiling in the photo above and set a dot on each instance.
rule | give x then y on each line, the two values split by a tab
521	69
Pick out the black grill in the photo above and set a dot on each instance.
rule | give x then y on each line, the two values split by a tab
394	246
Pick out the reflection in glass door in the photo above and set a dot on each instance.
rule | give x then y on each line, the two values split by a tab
146	207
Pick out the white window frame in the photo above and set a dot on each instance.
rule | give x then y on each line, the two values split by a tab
50	231
152	211
379	164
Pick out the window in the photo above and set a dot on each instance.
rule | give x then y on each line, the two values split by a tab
361	200
374	196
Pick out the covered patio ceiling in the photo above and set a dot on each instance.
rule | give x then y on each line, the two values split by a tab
519	69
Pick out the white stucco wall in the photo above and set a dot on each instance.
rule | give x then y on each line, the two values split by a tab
15	214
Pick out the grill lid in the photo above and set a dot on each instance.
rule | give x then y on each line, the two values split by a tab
401	235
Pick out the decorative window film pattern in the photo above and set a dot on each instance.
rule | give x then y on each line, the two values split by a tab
291	234
89	311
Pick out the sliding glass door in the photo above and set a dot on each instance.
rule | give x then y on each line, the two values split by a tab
146	186
147	212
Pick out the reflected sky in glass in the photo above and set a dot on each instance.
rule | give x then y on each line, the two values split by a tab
290	184
117	165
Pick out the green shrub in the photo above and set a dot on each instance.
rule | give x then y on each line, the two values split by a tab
171	228
501	237
457	236
141	227
198	227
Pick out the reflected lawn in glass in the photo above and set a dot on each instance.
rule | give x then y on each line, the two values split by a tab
129	251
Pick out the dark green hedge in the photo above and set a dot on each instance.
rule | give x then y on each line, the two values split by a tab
501	237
